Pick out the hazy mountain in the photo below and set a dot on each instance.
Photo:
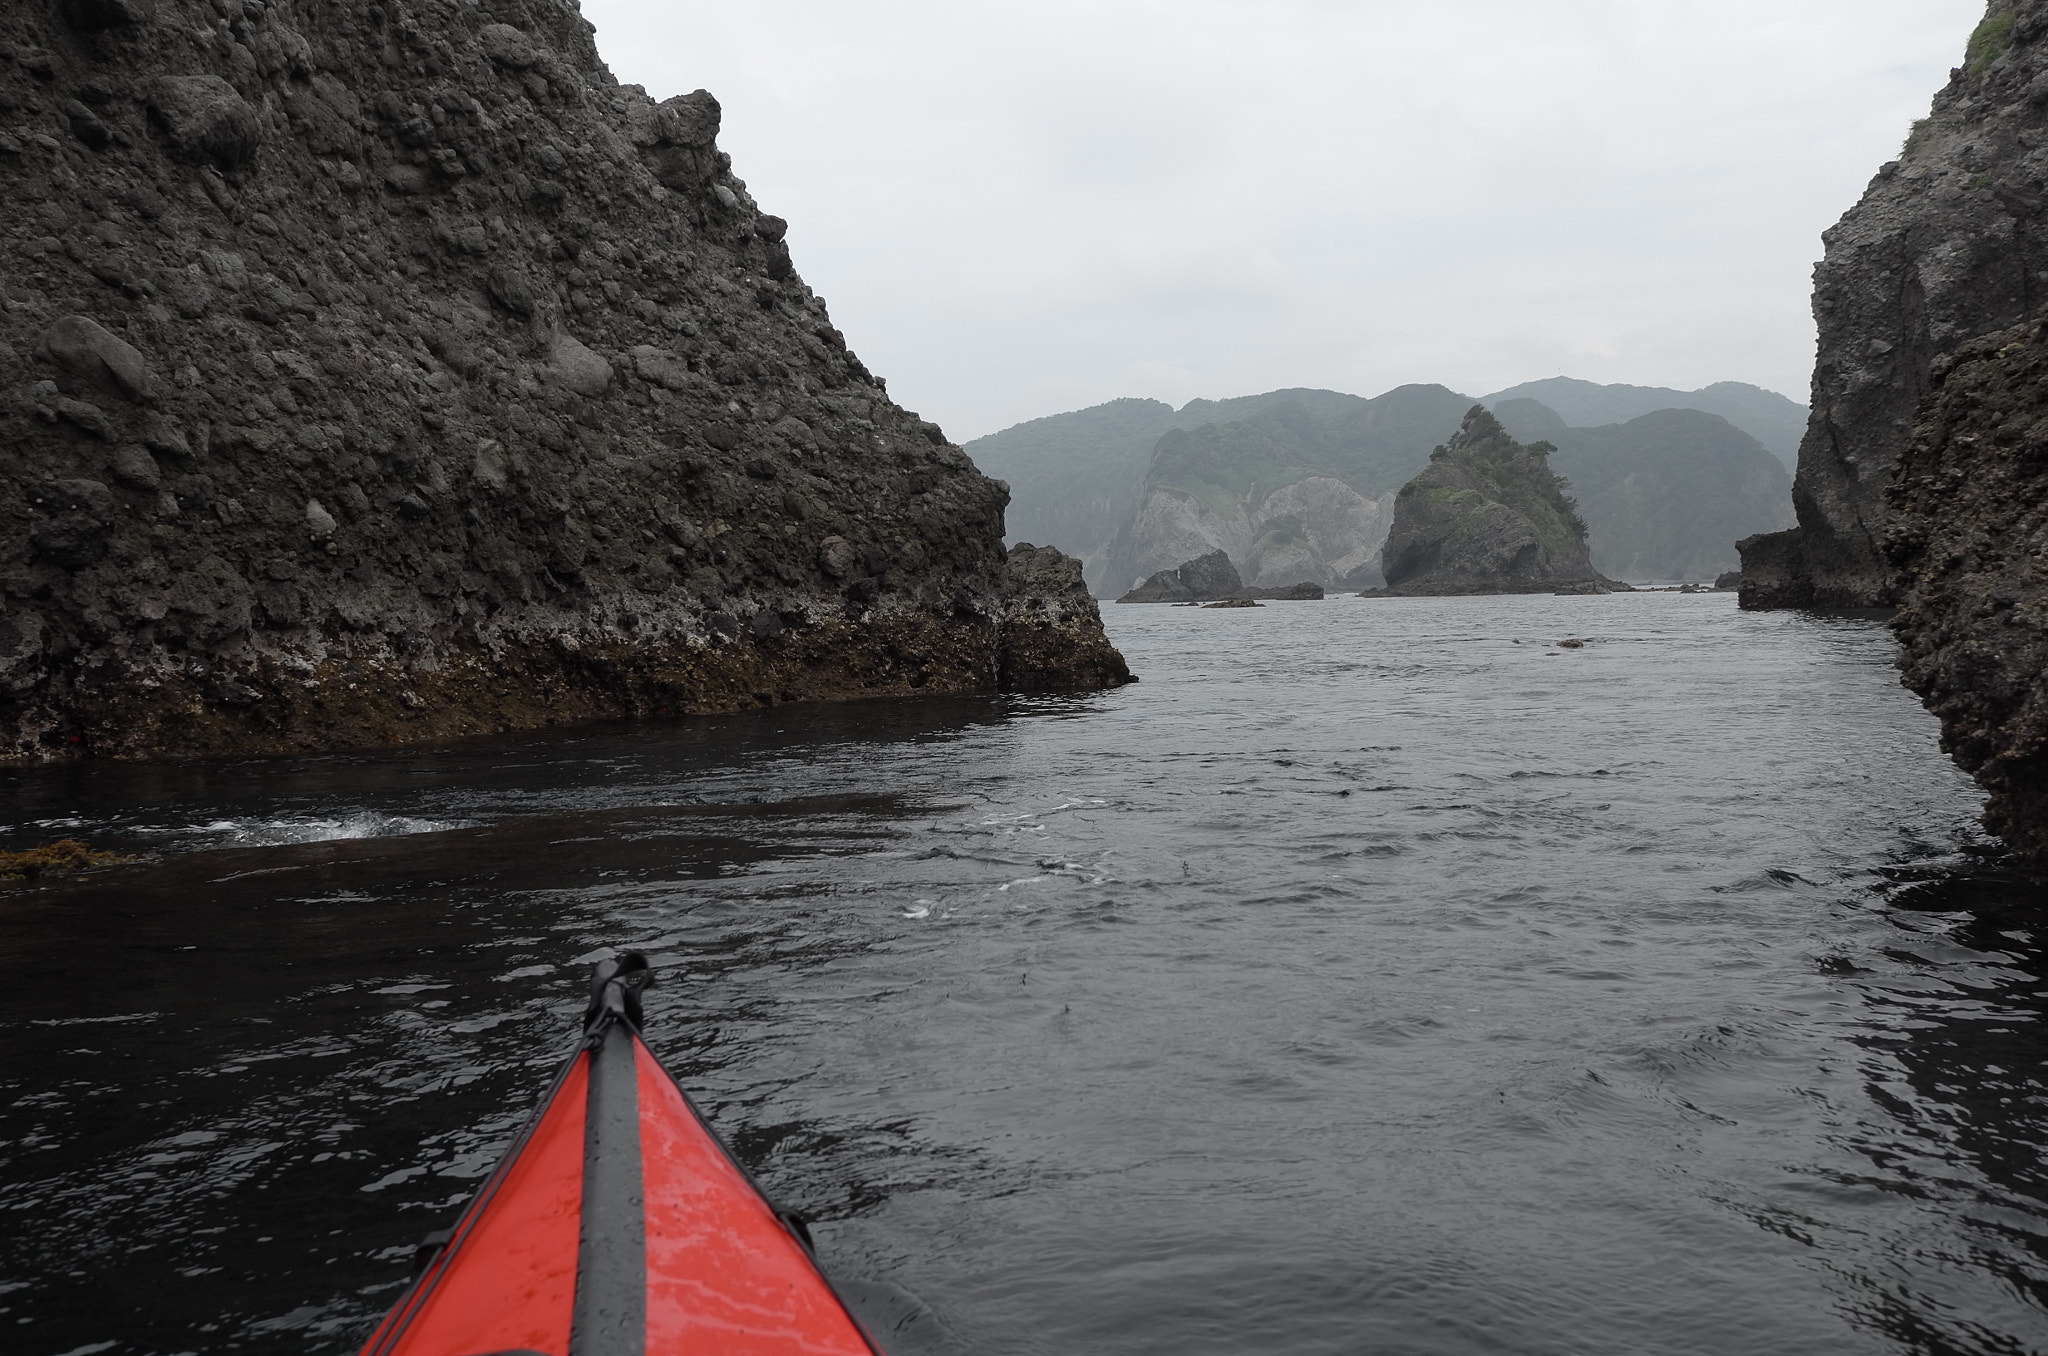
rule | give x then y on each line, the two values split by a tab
1301	489
1076	478
1298	483
1771	419
1665	495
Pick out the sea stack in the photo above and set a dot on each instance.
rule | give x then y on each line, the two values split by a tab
1944	246
382	373
1487	515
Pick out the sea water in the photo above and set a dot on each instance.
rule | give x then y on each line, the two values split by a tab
1374	976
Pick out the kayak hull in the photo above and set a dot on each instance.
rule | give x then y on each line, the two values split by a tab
618	1224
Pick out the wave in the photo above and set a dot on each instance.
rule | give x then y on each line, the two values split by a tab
281	832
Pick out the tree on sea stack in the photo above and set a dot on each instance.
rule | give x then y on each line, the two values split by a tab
1488	516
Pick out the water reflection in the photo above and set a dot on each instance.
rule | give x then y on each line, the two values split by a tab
1957	1063
1362	980
344	1033
174	806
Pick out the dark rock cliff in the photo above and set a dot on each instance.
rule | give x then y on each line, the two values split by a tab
1969	537
1947	243
384	372
1487	516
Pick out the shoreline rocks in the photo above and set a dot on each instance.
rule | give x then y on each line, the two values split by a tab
1212	579
370	379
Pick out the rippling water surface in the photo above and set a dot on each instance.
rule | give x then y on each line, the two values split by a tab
1361	981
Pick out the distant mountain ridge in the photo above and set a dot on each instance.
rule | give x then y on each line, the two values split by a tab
1299	483
1666	494
1301	489
1778	422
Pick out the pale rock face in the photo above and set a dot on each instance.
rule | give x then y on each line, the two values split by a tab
1171	527
1344	530
1317	529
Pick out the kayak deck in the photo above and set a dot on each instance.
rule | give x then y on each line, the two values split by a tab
619	1225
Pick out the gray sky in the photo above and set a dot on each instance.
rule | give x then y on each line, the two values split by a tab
1017	207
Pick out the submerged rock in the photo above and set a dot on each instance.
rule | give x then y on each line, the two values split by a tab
373	374
1487	516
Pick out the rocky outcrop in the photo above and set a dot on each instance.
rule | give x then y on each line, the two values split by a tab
1200	580
1214	577
1306	591
1298	485
1945	245
1969	537
1052	638
1487	516
387	372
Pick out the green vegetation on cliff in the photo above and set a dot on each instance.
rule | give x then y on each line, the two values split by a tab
1507	472
1988	40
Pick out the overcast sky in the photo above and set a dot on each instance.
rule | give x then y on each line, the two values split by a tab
1018	207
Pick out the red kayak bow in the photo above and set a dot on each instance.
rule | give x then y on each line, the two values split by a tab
619	1225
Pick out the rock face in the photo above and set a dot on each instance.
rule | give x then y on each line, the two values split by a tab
1316	527
378	373
1945	246
1487	516
1969	537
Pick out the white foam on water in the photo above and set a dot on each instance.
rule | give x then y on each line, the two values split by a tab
361	824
